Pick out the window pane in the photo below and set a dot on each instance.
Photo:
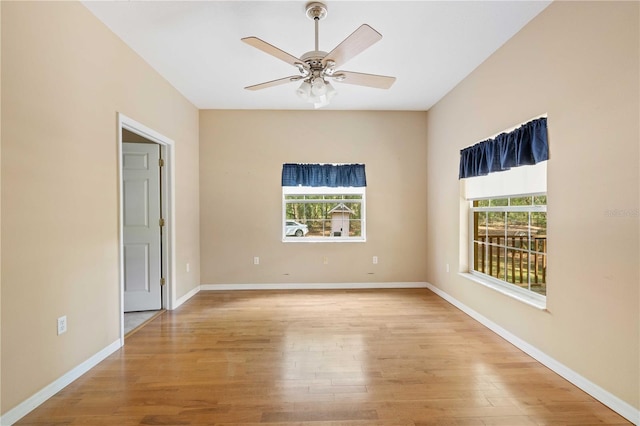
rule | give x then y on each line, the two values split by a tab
479	257
329	207
520	201
315	228
355	228
510	267
480	226
495	227
496	261
492	262
517	229
354	210
539	231
295	211
540	200
538	273
481	203
498	202
518	268
326	228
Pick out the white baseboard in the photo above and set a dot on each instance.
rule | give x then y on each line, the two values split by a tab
621	407
311	286
186	297
25	407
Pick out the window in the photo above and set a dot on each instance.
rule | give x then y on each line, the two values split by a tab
507	235
509	242
323	214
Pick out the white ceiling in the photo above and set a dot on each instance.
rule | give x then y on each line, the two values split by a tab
429	46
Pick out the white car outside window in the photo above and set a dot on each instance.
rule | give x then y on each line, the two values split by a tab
295	228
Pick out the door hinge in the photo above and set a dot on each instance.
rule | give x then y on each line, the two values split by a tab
162	281
161	222
161	162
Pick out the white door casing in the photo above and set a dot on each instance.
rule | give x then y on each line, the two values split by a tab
141	227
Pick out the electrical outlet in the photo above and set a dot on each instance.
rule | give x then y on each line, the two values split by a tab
62	325
447	267
256	260
325	260
375	260
188	268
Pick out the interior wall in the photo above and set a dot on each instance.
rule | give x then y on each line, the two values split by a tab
578	62
241	157
65	76
0	206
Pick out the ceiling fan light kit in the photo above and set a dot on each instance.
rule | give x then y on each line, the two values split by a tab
316	67
319	92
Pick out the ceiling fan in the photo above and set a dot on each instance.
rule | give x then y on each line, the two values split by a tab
316	67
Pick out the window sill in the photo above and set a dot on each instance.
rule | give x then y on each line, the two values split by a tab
323	240
512	293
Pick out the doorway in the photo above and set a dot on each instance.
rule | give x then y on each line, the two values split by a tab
146	218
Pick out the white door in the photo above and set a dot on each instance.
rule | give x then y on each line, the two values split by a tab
141	227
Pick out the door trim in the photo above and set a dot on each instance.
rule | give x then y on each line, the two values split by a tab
167	147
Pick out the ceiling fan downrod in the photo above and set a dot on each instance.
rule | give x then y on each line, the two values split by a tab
316	11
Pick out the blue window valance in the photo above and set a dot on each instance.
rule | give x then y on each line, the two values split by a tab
527	145
331	175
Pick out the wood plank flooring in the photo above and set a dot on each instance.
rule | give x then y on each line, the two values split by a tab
358	357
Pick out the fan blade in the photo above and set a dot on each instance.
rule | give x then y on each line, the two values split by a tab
272	83
271	50
358	41
369	80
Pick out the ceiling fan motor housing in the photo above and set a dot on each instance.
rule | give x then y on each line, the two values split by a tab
314	58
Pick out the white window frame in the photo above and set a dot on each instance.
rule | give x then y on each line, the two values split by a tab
505	287
324	190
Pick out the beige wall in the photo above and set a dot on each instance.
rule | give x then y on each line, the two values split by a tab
65	76
577	61
0	207
241	157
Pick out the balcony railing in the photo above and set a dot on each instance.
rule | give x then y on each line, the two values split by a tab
514	259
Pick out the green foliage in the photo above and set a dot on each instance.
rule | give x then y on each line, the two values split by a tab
308	208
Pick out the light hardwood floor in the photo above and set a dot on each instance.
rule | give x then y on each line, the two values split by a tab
360	357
